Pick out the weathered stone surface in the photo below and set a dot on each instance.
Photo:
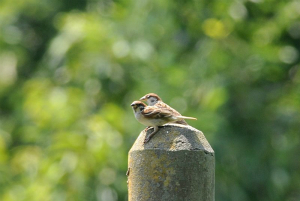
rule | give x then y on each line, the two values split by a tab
177	164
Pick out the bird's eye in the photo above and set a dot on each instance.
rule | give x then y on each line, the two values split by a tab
152	100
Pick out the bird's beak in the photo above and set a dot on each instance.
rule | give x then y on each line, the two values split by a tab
132	104
143	98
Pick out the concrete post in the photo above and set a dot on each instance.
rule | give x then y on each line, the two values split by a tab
177	164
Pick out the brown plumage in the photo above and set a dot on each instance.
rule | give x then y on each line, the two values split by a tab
154	116
153	99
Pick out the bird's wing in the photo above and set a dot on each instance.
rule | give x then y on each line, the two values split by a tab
167	107
155	112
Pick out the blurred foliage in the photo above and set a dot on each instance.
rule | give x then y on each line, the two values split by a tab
70	69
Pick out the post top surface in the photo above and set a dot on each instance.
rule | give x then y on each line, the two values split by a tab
173	137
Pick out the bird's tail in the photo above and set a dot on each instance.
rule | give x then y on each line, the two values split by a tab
184	117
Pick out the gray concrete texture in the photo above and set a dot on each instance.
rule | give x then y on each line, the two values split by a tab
177	164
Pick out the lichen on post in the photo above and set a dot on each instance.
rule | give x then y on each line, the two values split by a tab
176	164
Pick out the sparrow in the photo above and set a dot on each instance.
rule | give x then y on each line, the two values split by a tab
154	116
153	99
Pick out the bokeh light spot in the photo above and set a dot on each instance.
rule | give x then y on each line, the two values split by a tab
288	54
215	28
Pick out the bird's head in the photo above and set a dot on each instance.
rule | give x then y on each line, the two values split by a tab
151	98
138	105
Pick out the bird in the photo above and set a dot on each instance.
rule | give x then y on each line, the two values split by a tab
153	99
152	116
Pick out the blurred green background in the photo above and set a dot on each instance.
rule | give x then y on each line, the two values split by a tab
70	69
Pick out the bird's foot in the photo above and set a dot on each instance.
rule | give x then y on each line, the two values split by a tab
147	128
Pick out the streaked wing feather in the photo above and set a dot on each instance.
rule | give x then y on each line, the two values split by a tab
167	107
150	110
155	112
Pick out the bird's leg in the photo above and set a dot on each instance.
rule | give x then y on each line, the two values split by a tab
151	134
